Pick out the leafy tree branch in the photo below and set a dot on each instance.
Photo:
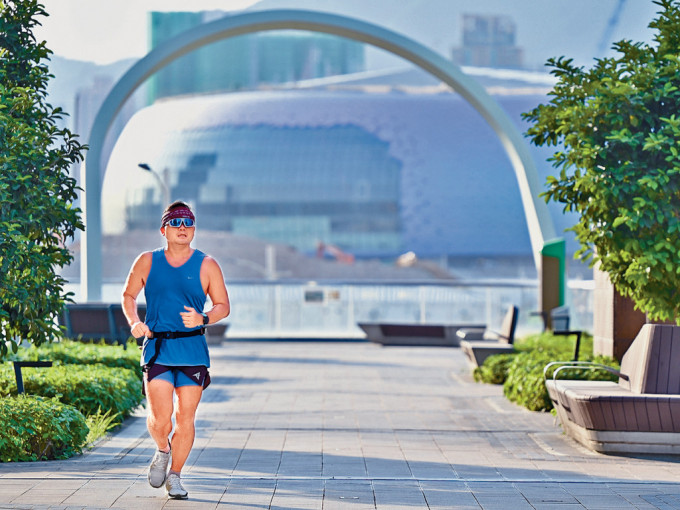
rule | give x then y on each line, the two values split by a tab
616	129
37	216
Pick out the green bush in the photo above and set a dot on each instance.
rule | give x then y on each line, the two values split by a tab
525	386
560	345
78	353
88	388
99	424
524	381
521	373
36	428
494	370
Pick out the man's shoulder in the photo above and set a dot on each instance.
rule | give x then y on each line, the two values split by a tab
144	258
207	259
209	263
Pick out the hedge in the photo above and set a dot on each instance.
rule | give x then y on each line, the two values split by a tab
89	388
521	372
37	428
525	383
79	353
494	370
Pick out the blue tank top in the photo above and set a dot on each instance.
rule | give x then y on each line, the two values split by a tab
168	290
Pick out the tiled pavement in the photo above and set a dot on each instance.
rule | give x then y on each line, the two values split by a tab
352	426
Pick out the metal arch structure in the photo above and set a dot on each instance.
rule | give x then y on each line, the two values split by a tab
538	220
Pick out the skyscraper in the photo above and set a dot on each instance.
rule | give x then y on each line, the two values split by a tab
247	61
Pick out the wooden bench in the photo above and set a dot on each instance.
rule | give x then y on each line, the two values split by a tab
479	344
638	414
429	335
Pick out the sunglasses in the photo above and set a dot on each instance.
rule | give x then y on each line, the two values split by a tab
176	222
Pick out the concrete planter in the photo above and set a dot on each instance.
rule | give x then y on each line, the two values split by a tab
616	322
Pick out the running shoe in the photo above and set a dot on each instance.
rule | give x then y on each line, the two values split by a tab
158	468
173	485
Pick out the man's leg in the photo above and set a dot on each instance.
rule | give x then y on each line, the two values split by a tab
188	398
159	419
159	394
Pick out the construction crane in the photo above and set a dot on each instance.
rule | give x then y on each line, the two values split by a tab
605	40
322	249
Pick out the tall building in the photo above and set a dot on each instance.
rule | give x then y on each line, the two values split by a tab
247	61
488	41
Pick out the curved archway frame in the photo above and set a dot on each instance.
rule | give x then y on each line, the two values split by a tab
537	216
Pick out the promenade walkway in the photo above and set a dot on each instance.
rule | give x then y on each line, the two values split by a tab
352	426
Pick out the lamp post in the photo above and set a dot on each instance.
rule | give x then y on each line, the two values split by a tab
161	181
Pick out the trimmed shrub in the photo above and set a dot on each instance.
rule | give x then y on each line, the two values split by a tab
36	428
560	345
524	382
525	386
494	370
79	353
89	388
521	373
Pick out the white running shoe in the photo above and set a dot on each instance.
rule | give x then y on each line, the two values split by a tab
173	485
158	468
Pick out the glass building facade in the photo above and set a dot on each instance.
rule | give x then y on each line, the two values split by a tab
299	186
247	61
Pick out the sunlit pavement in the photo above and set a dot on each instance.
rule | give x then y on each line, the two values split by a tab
352	425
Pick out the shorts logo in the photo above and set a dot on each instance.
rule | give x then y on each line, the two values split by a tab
197	375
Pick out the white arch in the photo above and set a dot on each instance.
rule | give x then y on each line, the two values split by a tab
537	216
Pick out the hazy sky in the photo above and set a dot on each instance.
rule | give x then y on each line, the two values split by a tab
106	31
74	27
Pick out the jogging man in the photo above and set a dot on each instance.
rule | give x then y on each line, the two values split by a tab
175	359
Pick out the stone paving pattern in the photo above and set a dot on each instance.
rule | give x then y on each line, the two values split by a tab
352	425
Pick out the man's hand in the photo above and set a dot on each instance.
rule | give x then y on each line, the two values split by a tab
191	318
139	329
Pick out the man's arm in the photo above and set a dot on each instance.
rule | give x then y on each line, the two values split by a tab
217	290
134	284
212	280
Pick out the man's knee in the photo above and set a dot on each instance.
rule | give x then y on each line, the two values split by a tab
185	417
159	416
188	399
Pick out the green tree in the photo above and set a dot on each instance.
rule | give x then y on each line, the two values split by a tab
36	193
616	128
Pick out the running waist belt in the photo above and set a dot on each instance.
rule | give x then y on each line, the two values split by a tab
162	335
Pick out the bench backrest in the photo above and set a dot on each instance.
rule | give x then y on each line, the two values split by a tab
410	330
89	321
508	326
120	323
652	362
559	318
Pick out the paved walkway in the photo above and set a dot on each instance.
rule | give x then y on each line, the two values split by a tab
352	426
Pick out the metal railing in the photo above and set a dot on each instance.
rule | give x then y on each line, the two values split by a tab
332	309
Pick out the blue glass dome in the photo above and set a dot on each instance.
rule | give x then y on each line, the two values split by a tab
376	174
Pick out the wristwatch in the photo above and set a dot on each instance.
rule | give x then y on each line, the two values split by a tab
205	318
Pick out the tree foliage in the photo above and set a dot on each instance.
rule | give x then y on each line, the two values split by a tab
37	215
616	128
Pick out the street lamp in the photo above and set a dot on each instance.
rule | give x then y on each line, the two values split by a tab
161	181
